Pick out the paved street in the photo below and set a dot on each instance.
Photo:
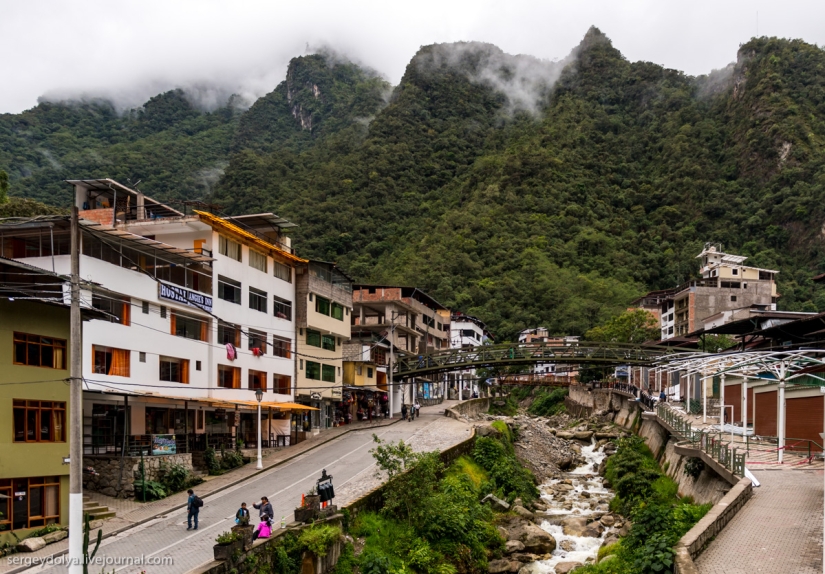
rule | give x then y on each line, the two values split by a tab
779	530
347	458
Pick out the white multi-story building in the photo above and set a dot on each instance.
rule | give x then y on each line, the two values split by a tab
541	335
201	316
465	331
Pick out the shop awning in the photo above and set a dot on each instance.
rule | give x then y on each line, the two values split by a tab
364	388
219	403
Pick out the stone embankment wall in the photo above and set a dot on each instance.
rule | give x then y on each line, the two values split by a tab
715	484
471	408
709	487
116	476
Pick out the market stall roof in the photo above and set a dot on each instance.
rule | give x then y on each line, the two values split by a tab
220	403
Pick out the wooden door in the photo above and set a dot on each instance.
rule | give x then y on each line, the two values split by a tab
765	417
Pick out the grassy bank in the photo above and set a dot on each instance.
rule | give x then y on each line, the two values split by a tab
433	521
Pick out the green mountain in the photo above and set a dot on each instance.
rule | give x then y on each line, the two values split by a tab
525	192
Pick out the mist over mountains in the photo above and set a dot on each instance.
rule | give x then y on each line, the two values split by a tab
525	191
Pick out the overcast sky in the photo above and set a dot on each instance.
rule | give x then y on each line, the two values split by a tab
131	50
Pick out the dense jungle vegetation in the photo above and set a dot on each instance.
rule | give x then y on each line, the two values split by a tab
524	192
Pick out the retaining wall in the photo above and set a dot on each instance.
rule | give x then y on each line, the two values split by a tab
471	408
116	478
715	485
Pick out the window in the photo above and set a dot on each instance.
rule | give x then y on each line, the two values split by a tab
229	248
322	305
429	321
257	340
199	418
163	311
229	334
229	377
142	357
282	308
189	327
281	384
378	356
282	272
328	342
111	361
116	310
313	338
338	311
39	421
733	298
257	299
37	351
257	260
145	307
281	347
313	371
735	271
328	373
229	290
257	380
174	370
369	372
197	365
359	370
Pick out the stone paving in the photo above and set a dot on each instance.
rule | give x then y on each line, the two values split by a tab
141	523
779	530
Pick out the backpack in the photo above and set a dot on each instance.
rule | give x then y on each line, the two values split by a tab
198	502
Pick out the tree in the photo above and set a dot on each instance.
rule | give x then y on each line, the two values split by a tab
4	187
716	343
632	326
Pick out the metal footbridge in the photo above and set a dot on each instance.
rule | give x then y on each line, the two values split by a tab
505	355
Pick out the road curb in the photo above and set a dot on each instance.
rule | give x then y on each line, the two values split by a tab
221	489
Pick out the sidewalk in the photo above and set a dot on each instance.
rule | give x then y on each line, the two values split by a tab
131	513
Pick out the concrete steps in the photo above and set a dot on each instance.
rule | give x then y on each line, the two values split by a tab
95	510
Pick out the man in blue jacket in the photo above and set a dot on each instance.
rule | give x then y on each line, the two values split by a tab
193	509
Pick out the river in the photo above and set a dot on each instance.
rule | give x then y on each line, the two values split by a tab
578	494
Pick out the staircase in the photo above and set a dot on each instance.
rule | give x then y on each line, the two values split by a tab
95	510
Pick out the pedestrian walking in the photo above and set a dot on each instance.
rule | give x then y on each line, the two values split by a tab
264	507
662	396
193	506
417	409
404	411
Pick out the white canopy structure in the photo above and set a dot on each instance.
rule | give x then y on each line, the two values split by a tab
780	367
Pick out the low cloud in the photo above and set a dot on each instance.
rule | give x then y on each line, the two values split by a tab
525	81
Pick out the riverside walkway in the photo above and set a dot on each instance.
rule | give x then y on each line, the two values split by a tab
779	530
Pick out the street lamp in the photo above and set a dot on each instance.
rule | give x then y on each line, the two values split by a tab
259	394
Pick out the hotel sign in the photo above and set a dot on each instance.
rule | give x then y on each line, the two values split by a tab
185	296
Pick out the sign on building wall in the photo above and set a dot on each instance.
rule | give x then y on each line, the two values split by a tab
185	296
163	444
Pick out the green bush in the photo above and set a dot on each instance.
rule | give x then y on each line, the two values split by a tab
548	404
154	490
507	476
213	465
175	478
231	459
318	539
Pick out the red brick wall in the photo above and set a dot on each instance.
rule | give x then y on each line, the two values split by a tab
103	215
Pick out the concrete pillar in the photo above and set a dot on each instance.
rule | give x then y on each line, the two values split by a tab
781	423
722	400
745	403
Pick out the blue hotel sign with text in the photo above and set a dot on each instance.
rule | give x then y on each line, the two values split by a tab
185	296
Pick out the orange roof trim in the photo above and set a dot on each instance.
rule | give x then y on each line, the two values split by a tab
219	223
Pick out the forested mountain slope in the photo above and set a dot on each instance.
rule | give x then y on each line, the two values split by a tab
526	192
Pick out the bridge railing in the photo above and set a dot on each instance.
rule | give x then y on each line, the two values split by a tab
525	353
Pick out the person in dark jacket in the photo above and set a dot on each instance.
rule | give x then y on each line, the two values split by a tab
403	411
265	508
242	516
192	509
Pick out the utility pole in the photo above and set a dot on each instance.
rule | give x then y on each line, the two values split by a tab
390	387
75	410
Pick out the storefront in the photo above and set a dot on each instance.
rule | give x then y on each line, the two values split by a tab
29	502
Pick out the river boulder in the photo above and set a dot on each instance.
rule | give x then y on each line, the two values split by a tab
566	567
503	566
574	526
583	435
